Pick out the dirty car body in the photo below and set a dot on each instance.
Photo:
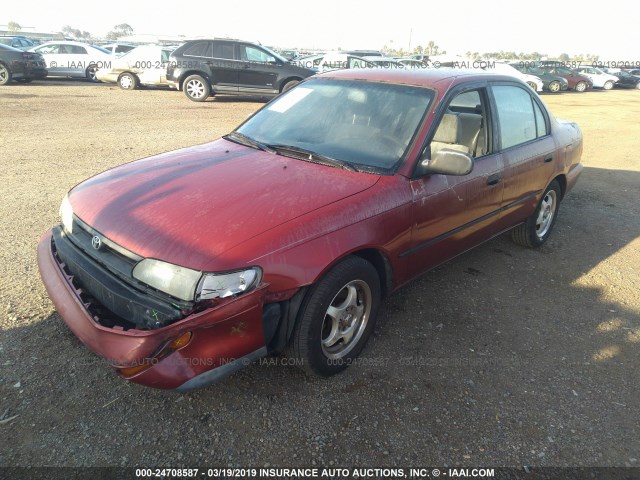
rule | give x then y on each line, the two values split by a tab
284	235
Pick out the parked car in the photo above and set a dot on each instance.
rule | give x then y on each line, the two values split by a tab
73	59
576	81
599	78
311	62
634	71
202	68
384	62
118	49
421	57
363	53
505	69
144	65
285	235
17	41
551	83
339	60
20	66
627	80
411	63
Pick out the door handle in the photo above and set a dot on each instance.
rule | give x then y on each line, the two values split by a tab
494	179
548	158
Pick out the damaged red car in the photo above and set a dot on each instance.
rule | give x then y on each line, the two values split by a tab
283	236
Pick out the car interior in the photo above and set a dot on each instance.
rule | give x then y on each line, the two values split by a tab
462	127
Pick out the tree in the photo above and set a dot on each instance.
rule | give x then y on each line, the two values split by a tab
564	57
14	27
69	31
121	30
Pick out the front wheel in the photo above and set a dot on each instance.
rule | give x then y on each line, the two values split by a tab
554	87
128	81
608	85
90	73
537	228
533	86
336	318
289	85
196	88
581	87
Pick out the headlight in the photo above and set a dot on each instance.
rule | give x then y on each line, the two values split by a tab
222	285
66	214
190	285
177	281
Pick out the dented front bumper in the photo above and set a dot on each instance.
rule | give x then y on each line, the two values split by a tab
224	337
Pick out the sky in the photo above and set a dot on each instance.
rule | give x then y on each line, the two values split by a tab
457	26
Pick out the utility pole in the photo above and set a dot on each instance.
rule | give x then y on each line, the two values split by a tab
410	34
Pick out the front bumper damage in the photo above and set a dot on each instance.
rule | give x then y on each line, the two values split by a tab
224	338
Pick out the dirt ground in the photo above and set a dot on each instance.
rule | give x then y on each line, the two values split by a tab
502	357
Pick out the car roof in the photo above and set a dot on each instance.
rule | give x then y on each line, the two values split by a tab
424	77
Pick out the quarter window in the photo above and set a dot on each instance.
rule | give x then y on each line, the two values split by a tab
521	119
200	49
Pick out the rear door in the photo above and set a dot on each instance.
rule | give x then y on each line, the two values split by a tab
527	146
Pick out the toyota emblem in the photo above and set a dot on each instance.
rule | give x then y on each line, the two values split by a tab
96	242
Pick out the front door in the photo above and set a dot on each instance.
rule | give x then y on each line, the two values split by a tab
454	213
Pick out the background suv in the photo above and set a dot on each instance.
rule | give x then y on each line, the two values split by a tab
221	66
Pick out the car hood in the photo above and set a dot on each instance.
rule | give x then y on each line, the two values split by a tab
190	206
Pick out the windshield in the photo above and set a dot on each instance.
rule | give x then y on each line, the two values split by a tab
367	125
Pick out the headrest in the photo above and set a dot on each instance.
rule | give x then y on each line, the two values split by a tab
448	130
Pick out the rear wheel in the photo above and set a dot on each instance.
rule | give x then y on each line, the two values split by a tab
196	88
336	318
533	86
128	81
5	74
581	87
537	228
608	85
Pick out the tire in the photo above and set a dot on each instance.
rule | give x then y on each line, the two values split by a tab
196	88
336	318
128	81
90	72
537	228
608	85
289	85
5	74
554	87
533	86
581	87
638	85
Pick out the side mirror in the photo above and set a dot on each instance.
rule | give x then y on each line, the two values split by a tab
447	162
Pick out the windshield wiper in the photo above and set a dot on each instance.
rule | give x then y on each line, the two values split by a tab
242	139
314	157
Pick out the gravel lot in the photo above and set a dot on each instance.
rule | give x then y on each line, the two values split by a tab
502	357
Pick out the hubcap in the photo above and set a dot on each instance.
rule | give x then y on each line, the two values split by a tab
126	82
554	87
4	73
547	211
346	319
195	89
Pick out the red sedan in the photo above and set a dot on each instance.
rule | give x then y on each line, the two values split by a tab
285	235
